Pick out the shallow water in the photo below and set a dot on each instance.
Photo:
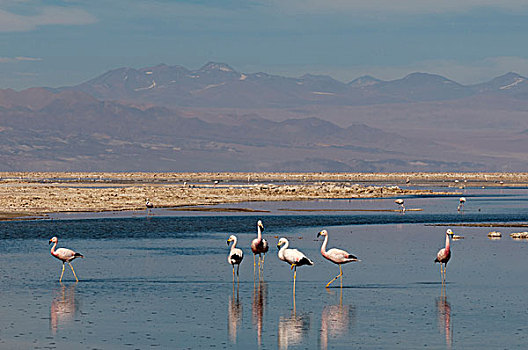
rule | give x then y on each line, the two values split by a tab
164	282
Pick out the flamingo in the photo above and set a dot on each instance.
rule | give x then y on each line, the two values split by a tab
235	255
337	256
259	246
444	255
400	202
65	255
149	205
293	257
461	205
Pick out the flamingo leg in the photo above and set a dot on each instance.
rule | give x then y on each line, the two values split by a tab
336	277
442	273
254	265
238	268
76	279
262	265
445	274
62	273
294	278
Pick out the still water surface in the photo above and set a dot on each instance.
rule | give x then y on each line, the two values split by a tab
164	282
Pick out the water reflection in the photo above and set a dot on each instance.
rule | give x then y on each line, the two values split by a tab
260	300
293	329
336	320
443	308
64	307
234	315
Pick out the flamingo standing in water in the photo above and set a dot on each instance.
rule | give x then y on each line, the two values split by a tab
259	246
235	255
400	202
337	256
444	255
65	255
149	206
293	257
461	204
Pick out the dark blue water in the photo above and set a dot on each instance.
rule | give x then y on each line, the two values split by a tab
164	282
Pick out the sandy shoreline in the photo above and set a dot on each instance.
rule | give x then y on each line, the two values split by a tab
29	194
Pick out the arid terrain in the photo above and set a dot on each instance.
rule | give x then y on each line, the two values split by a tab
35	194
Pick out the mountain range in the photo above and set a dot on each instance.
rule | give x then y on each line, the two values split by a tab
170	118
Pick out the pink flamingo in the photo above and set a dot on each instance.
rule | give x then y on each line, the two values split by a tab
444	255
259	246
65	255
337	256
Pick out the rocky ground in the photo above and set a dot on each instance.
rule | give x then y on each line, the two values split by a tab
31	194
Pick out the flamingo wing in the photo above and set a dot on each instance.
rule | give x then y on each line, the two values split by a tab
293	256
340	256
236	256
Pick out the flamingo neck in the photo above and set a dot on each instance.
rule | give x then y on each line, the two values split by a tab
447	242
233	246
323	247
53	248
283	248
259	233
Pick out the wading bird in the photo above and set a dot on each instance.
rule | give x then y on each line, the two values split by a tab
337	256
235	255
293	257
65	255
462	200
259	246
149	206
400	202
444	255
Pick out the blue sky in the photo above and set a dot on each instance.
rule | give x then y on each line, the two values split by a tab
55	43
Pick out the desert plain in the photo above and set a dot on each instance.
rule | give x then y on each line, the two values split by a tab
35	194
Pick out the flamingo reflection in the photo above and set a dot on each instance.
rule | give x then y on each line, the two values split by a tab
234	316
293	329
444	319
64	307
335	320
260	300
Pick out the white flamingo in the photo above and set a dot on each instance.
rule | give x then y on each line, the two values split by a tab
293	257
235	255
337	256
462	200
149	206
400	202
65	255
259	246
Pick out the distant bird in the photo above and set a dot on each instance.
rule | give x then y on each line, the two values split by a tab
337	256
149	205
293	257
444	255
235	255
65	255
259	246
462	200
400	202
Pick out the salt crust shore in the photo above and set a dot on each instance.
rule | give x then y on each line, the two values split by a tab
25	194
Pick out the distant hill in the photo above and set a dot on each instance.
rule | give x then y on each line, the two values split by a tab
219	85
170	118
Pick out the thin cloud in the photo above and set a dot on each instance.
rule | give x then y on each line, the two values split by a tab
19	59
11	22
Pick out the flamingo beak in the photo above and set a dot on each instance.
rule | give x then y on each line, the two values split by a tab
229	240
49	242
318	234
